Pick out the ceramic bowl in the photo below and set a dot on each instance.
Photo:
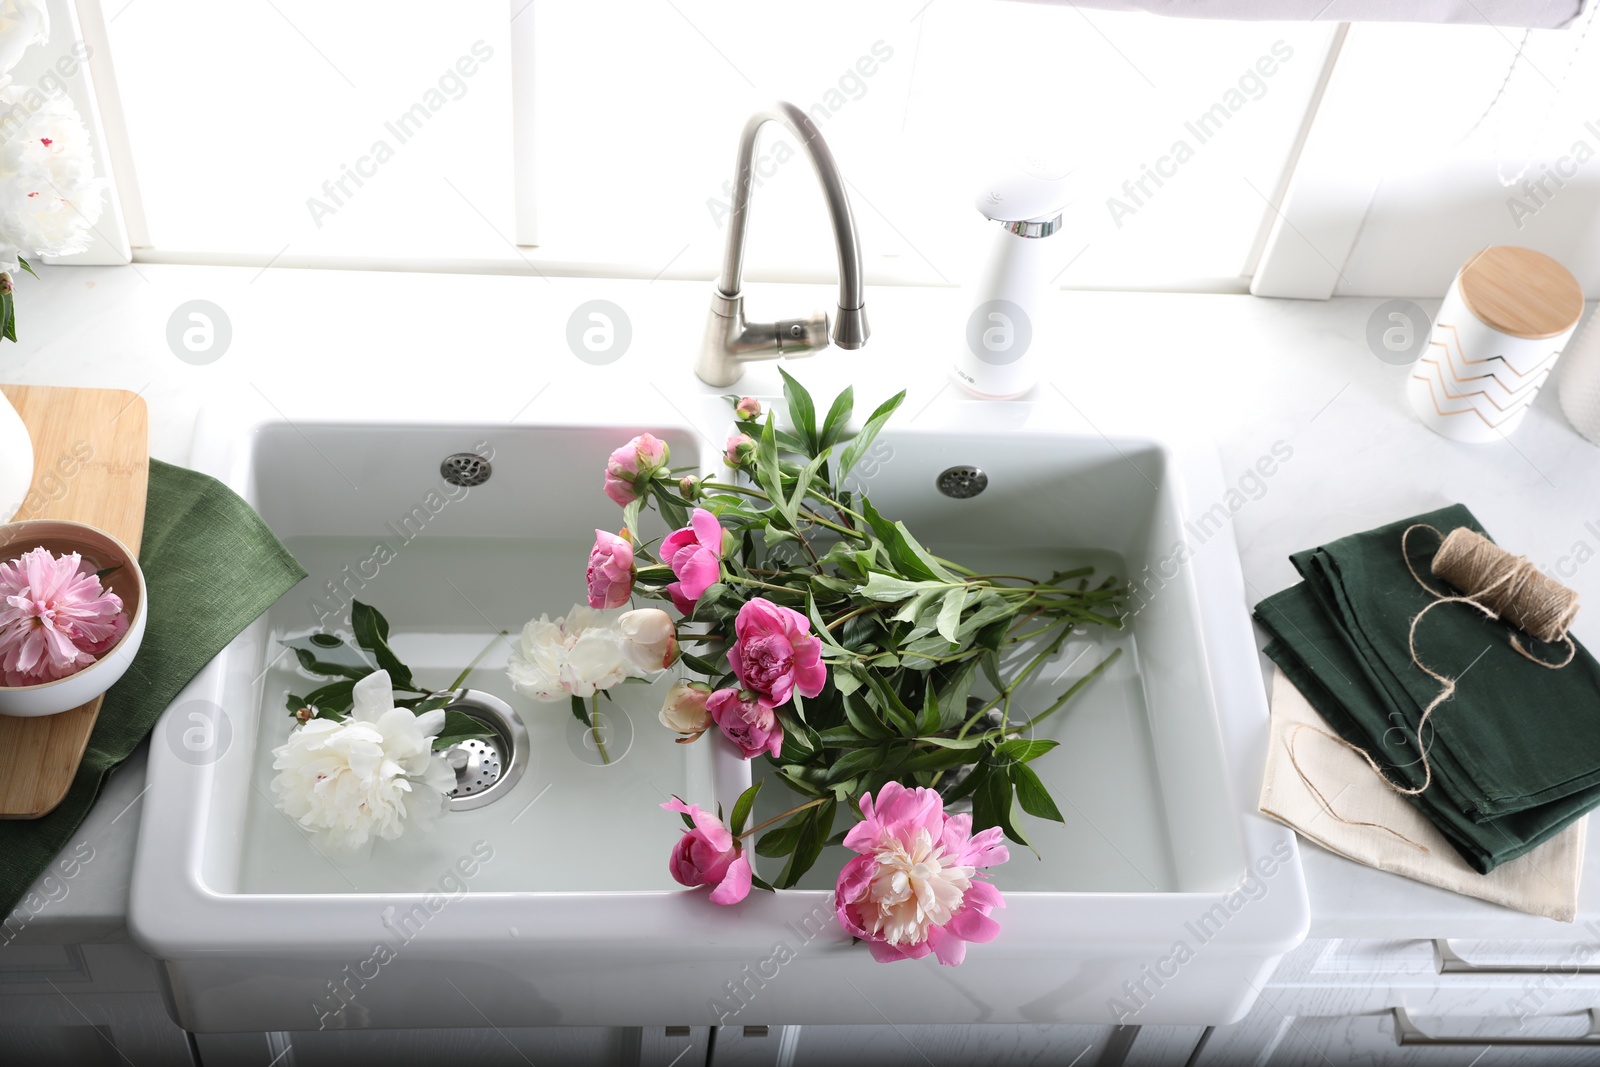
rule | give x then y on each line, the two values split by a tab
101	550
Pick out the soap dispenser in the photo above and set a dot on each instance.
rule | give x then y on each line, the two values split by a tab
1006	318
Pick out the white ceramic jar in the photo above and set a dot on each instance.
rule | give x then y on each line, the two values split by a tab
1495	340
16	460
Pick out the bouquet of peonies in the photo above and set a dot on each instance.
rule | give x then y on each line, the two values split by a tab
830	642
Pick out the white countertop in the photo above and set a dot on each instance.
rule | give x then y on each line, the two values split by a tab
1250	372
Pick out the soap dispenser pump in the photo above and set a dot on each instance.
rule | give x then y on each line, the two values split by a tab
1006	316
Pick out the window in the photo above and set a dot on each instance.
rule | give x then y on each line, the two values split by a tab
357	129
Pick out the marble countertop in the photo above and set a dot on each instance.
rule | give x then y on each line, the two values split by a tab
1251	373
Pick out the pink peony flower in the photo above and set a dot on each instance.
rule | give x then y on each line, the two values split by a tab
915	888
709	855
631	467
610	570
775	652
695	555
746	720
55	618
748	408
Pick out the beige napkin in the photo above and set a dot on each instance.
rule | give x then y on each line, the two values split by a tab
1541	882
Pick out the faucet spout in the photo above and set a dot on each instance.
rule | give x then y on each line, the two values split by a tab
729	339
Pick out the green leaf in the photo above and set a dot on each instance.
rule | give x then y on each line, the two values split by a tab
961	743
791	507
293	703
862	441
372	634
855	762
813	836
335	697
905	551
844	406
846	681
990	665
953	704
940	759
1024	749
459	727
767	473
861	716
802	412
310	662
890	704
630	516
968	786
918	604
698	665
928	720
8	316
781	840
741	808
950	613
1032	795
24	265
580	711
889	589
673	510
991	806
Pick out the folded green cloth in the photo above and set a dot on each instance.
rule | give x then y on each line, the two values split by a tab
1515	753
211	567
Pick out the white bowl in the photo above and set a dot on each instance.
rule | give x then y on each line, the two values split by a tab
127	581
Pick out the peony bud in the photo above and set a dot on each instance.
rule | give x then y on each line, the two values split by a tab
738	451
748	408
684	710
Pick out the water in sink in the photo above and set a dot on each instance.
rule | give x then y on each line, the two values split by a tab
446	599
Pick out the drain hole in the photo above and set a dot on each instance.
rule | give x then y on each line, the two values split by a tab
962	483
486	767
465	468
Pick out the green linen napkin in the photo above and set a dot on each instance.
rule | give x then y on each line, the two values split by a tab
1515	753
211	566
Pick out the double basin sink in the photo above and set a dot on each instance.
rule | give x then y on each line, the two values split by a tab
1163	898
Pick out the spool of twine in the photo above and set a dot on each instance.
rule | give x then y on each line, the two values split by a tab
1509	585
1493	582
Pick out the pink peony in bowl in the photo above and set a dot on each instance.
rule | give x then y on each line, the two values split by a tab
100	551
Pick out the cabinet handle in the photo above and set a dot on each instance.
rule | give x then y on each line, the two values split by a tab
1407	1032
1446	961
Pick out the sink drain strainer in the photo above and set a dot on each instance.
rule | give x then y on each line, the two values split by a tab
963	482
486	768
465	469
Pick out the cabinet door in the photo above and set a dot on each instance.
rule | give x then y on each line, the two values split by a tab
911	1046
73	1028
1368	1040
547	1046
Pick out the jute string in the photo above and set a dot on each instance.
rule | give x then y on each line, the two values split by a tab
1495	583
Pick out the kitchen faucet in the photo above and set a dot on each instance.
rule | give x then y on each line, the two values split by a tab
729	340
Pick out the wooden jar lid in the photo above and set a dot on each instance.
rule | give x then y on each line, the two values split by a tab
1521	292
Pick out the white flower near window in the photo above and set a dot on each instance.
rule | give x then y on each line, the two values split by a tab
368	776
50	198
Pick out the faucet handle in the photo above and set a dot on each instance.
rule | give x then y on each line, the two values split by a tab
801	337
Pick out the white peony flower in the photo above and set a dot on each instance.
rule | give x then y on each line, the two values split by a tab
574	656
23	23
49	196
364	777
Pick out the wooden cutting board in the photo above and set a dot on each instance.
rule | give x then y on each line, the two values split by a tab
91	464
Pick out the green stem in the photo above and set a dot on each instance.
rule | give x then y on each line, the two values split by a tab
1049	650
468	669
594	717
785	815
1079	684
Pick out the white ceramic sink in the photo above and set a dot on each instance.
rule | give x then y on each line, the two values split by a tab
553	904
